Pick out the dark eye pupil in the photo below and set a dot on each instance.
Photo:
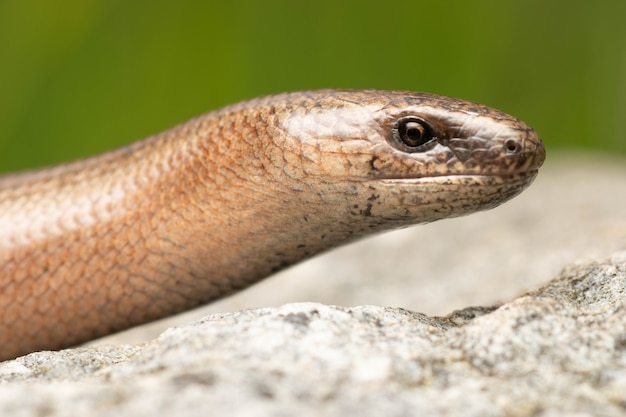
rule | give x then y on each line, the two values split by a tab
414	133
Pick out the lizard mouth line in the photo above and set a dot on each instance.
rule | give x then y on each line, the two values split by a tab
521	176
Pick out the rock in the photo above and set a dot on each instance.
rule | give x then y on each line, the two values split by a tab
559	350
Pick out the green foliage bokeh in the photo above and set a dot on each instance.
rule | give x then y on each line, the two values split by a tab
81	76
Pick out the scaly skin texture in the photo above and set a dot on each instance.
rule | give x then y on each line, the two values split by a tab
226	199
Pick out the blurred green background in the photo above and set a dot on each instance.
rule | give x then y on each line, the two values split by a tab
81	76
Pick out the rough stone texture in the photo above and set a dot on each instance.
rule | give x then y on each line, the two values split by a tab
559	350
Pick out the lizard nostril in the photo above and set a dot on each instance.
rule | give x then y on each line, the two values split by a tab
512	146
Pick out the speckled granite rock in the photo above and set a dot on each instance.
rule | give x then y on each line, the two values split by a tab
560	350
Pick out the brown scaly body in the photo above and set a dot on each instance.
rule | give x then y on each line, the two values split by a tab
226	199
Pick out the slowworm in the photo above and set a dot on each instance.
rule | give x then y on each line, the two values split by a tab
217	203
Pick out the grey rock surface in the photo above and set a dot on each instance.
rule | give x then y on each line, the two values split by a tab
558	350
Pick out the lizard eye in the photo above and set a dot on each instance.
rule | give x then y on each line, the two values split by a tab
412	133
